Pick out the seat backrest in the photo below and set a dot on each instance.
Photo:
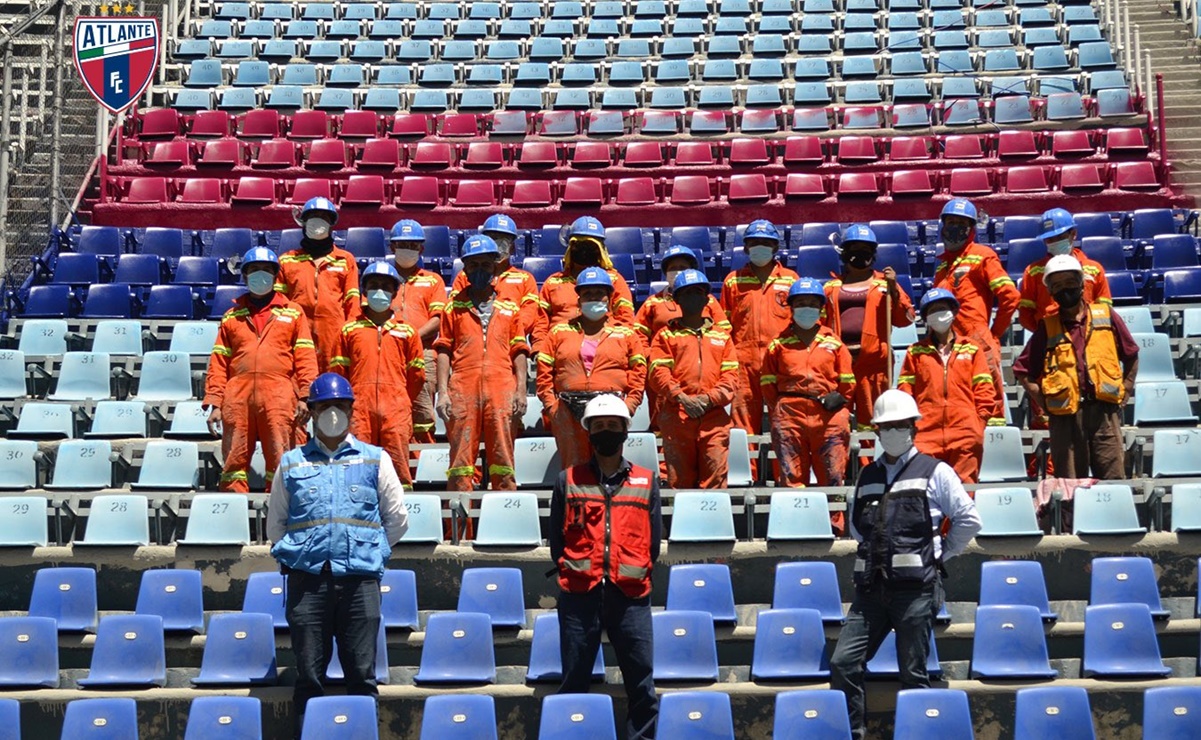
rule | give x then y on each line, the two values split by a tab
175	595
218	519
398	598
1006	512
28	656
265	594
425	518
1009	643
1154	358
496	592
118	337
46	420
509	518
189	420
1119	640
129	651
341	718
702	516
1125	580
569	716
1003	458
815	714
702	587
12	374
216	716
43	337
23	520
546	659
118	419
83	464
432	464
1016	582
118	519
808	585
685	646
1105	509
83	376
799	515
118	717
1172	712
458	648
696	713
1177	453
925	713
170	464
1186	507
448	716
66	595
194	337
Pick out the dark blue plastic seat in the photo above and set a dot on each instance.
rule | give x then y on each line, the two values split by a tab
1126	580
459	717
175	595
571	716
926	713
696	714
28	652
685	646
128	652
1060	712
341	718
1120	641
1009	643
702	587
457	649
1172	713
265	594
814	714
101	719
546	660
790	644
239	649
217	717
496	592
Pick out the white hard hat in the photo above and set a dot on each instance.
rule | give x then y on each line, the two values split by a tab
1061	263
605	405
894	405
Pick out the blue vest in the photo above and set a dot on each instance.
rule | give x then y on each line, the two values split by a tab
896	526
333	511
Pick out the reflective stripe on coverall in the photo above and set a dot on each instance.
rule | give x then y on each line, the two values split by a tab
422	296
327	290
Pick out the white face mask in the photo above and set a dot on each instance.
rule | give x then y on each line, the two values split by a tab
940	321
760	256
316	228
896	442
505	246
333	423
671	278
806	317
1063	246
594	310
407	258
260	282
379	300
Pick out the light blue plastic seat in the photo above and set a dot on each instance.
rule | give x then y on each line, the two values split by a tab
425	518
175	595
509	519
285	97
536	462
447	716
571	716
192	100
814	714
128	652
215	717
204	73
189	421
194	337
117	420
218	519
432	464
546	660
809	585
1120	641
1162	402
279	51
252	73
83	465
1009	644
118	337
1177	453
12	374
169	465
701	516
265	594
341	718
43	337
457	649
1186	507
117	719
83	376
1060	712
166	377
66	595
762	96
345	75
189	50
23	520
1125	580
1105	509
1003	458
28	654
790	644
798	515
685	646
496	592
335	100
1007	512
117	520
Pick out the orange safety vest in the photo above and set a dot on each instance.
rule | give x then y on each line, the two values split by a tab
607	536
1061	377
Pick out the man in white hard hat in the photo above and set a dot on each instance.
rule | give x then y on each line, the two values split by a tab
605	527
1080	365
896	516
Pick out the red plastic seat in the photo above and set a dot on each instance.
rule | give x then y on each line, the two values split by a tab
538	154
690	190
583	191
170	155
908	148
261	124
912	182
747	187
962	146
1026	180
1074	178
212	123
253	191
460	124
805	185
309	124
1135	176
749	152
485	155
1017	144
359	124
636	191
327	153
643	154
1071	144
222	153
803	150
474	194
969	181
1126	141
856	149
419	191
148	190
310	187
858	183
694	154
532	194
160	123
410	124
364	190
591	154
275	154
201	190
433	154
380	153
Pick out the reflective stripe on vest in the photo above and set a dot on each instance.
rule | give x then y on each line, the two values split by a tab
1060	383
625	559
902	552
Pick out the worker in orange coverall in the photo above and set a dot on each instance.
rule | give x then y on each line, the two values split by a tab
385	364
857	311
1059	236
974	273
321	278
483	360
755	298
512	283
585	357
258	374
949	378
557	302
694	372
418	303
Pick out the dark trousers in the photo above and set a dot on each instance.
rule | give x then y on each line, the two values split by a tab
1092	439
908	611
628	623
321	607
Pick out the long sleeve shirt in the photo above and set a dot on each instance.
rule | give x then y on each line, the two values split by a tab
558	507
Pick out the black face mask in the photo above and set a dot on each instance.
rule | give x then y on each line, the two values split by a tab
607	443
479	278
692	303
585	257
859	260
1068	297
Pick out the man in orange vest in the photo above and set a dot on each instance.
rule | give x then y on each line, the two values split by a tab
419	302
604	531
1059	235
1080	365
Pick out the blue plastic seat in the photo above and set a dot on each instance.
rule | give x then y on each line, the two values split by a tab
702	587
448	716
790	644
1094	55
702	516
216	717
546	660
42	337
809	585
285	97
425	517
1060	712
1172	713
216	518
12	374
1009	643
76	269
345	75
174	595
1120	641
457	649
204	73
166	376
383	100
23	520
128	652
884	664
192	100
279	51
44	421
798	515
1162	402
265	594
341	718
170	302
101	719
82	465
398	599
169	465
105	301
509	519
496	592
335	100
814	714
771	70
925	713
1126	580
66	595
1007	512
28	652
696	714
1186	507
571	716
1106	509
252	73
685	646
216	28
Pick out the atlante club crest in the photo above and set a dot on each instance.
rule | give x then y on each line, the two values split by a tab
116	57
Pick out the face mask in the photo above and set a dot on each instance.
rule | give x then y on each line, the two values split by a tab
407	258
940	321
896	442
480	278
316	228
760	256
260	282
1068	297
806	317
1063	246
671	277
333	423
955	236
505	245
379	300
594	310
692	303
859	260
584	257
607	443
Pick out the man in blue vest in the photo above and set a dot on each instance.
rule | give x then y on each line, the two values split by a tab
336	508
896	515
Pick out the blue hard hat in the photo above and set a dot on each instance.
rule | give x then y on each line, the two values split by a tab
807	286
407	230
479	244
380	268
858	233
1057	222
320	204
258	254
933	296
761	229
587	226
330	387
689	278
591	276
959	207
680	251
500	224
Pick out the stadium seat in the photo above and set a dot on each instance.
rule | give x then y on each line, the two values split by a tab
76	269
809	585
571	716
169	465
546	660
702	516
23	520
702	587
66	595
83	465
1006	512
1126	580
105	301
536	464
814	714
459	717
28	653
166	377
265	594
193	337
696	714
43	337
1186	507
101	719
884	664
1163	402
685	646
12	374
51	301
1003	458
798	515
924	713
189	421
1172	712
1009	644
217	519
398	599
213	717
1120	641
790	645
128	652
175	596
457	649
117	520
1016	583
44	421
425	517
1105	509
340	718
496	592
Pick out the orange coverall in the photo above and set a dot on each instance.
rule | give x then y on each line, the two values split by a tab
694	361
619	367
481	387
758	313
875	351
420	297
806	436
1036	303
976	277
558	302
256	381
654	314
326	289
379	361
956	399
514	285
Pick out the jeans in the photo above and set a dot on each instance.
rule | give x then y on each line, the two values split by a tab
628	624
908	611
321	607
